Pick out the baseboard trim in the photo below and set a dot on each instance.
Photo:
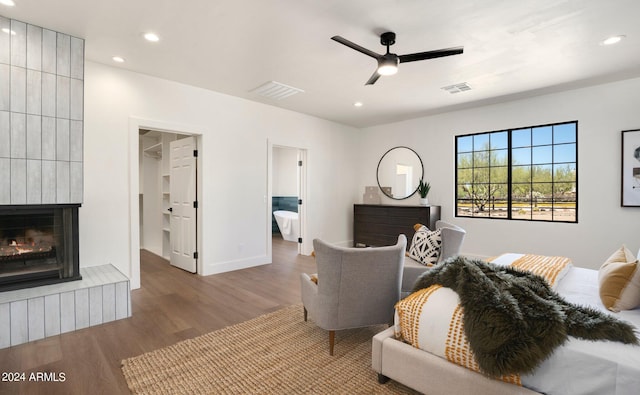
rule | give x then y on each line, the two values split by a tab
222	267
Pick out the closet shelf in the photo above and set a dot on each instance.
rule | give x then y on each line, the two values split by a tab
154	151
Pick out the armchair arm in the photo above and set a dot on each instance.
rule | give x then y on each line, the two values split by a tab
309	293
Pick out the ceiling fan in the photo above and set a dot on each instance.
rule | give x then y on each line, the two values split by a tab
388	63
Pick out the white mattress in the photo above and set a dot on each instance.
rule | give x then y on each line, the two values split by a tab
589	367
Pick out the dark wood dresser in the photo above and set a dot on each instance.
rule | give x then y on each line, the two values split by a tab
380	225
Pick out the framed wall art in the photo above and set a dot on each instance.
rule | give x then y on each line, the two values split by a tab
630	168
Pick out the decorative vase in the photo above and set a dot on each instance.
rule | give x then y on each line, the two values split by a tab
424	201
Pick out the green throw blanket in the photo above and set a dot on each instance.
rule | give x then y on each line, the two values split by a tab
512	318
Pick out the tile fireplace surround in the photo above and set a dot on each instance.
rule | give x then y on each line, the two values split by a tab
41	165
41	115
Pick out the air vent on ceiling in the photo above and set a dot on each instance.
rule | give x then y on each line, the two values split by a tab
275	90
457	88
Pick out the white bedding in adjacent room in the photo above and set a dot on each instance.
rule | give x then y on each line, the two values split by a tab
578	367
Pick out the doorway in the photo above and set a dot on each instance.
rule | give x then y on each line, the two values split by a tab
167	196
287	199
137	191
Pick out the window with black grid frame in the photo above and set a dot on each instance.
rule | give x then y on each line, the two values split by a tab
526	173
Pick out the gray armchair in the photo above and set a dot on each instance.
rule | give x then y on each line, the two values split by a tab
452	238
356	287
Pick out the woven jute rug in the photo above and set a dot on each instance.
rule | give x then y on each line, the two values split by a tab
277	353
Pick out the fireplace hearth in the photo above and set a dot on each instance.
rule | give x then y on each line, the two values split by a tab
38	245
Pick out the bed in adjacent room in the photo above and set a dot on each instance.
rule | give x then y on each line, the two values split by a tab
428	349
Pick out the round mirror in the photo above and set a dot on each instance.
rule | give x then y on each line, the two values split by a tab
399	171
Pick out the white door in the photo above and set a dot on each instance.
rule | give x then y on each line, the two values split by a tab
182	194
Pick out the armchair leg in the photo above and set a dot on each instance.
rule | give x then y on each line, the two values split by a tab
305	313
332	338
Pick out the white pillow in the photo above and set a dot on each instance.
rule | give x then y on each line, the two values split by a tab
425	246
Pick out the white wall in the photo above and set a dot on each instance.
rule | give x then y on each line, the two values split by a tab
232	165
602	112
285	168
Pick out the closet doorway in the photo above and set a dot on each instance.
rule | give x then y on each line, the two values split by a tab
168	196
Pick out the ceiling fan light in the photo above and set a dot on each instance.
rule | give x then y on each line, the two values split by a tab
388	66
387	70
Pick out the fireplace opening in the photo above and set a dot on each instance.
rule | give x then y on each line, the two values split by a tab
38	245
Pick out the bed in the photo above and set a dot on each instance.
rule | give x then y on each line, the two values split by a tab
576	367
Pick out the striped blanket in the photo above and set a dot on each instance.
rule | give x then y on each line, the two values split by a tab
552	268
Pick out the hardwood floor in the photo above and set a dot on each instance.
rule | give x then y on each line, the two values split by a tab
170	306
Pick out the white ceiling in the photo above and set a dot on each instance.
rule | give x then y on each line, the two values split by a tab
511	48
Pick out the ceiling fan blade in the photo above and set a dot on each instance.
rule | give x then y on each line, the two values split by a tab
355	46
374	78
430	54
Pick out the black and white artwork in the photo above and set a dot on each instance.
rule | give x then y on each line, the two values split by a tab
631	168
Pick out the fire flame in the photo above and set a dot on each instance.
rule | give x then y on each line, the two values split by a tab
17	249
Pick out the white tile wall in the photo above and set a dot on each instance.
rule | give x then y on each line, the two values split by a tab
19	322
34	137
34	47
67	312
34	181
18	135
5	181
5	41
35	317
103	295
48	138
5	133
62	139
18	89
48	181
62	97
34	92
48	94
75	181
41	114
77	58
18	181
51	315
5	85
49	51
63	185
5	326
82	308
63	55
18	43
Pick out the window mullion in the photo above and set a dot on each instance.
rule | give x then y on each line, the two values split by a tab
509	175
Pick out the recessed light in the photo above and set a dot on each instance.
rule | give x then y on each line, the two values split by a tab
8	31
613	40
358	104
118	59
151	37
8	3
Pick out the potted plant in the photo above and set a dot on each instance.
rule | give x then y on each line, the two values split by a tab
423	190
